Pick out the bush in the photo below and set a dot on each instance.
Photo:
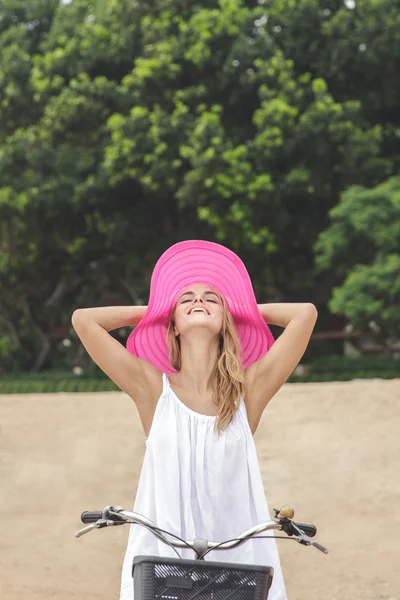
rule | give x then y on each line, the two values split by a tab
345	368
53	383
328	368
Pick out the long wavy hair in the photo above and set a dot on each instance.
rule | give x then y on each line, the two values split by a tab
227	378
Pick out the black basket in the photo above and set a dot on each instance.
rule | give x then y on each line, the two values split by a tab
179	579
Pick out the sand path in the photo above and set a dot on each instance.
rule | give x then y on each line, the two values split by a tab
331	450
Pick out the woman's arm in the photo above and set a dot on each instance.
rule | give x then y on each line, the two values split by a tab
280	314
112	317
266	376
137	377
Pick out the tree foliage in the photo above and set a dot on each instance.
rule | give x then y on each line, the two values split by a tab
126	126
363	244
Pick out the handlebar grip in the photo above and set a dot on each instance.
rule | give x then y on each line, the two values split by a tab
308	528
91	516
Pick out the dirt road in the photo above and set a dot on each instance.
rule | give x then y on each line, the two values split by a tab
331	450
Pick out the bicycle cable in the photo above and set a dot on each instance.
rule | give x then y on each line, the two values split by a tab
265	537
155	528
254	537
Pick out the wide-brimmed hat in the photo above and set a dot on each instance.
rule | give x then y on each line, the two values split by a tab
182	265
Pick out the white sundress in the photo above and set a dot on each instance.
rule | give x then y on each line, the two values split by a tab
197	484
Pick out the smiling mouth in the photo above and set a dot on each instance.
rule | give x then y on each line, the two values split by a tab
198	310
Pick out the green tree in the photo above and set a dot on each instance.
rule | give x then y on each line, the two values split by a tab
355	47
362	246
262	152
72	233
126	126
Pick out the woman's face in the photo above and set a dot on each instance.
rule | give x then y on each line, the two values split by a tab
198	306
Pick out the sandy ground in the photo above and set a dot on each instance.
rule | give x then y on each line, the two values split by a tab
332	451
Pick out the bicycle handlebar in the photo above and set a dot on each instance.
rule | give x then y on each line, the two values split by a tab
116	515
94	516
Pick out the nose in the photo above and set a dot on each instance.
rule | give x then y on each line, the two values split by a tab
198	298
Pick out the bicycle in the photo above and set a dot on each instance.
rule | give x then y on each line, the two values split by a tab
158	577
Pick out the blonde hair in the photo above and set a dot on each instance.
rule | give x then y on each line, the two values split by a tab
227	378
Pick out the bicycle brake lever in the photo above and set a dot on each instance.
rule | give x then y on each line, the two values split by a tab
98	525
301	539
85	530
320	547
306	541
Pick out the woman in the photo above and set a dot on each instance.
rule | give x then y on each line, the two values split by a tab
201	366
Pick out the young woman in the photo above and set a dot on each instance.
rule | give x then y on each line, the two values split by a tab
201	365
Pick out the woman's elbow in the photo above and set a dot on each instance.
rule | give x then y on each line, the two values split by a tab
78	316
310	310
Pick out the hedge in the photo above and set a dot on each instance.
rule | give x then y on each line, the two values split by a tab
48	386
345	368
330	368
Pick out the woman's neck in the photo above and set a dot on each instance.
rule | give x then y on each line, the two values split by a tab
198	363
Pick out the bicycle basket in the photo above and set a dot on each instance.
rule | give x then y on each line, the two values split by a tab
157	577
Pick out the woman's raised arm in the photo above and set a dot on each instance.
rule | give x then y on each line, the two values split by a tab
111	317
266	376
137	377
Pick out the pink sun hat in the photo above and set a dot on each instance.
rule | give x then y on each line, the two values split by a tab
182	265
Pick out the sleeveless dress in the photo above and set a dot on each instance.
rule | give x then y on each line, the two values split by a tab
195	483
